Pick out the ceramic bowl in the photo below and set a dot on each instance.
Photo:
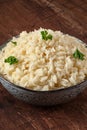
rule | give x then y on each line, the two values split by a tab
43	98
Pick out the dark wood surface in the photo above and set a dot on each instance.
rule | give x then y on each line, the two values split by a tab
69	16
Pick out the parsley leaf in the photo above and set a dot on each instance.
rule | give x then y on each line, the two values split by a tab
45	35
11	60
49	36
15	43
78	55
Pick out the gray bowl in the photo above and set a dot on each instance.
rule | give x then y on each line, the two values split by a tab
43	98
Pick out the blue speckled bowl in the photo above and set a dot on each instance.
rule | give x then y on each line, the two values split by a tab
43	98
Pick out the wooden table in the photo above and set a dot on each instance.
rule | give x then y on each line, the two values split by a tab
69	16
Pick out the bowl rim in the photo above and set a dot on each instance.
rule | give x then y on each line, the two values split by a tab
39	91
46	91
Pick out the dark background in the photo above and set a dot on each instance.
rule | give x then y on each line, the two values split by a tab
69	16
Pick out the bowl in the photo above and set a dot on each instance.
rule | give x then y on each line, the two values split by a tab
42	98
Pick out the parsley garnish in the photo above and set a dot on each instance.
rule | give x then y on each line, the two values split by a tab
78	55
45	35
11	60
15	43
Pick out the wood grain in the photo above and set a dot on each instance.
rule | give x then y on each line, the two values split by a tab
69	16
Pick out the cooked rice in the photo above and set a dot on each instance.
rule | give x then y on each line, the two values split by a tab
44	64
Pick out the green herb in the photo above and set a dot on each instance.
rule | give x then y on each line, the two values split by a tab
15	43
78	55
45	35
11	60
